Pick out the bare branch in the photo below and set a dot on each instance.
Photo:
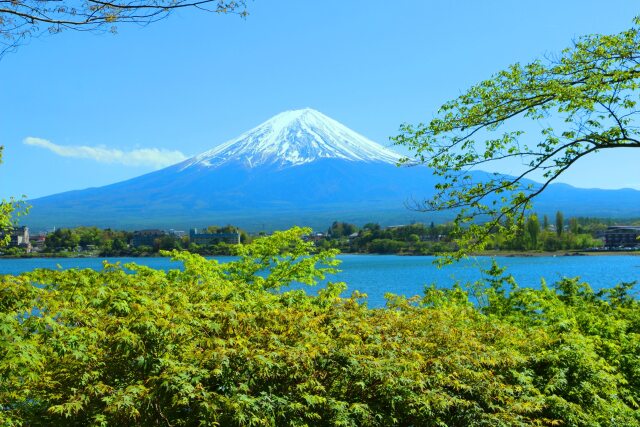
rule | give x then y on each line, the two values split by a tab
22	19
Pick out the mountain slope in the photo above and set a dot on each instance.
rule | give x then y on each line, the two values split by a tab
294	138
300	167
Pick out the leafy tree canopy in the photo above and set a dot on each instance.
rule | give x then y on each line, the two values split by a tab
342	229
546	115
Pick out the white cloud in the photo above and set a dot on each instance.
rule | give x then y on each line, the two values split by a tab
154	157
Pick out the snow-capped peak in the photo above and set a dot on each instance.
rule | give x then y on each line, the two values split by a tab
294	138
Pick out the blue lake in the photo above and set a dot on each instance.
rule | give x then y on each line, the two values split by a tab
376	275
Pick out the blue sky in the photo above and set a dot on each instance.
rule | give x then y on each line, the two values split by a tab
148	96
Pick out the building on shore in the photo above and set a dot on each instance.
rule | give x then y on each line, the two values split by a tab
18	238
213	238
177	233
314	237
37	242
146	237
622	236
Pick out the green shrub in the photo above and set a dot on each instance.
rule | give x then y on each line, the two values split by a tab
228	344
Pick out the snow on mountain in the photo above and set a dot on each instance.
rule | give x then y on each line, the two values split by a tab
316	171
293	138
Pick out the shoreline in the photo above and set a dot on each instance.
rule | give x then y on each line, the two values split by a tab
555	254
506	254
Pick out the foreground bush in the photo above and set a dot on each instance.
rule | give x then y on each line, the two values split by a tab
223	344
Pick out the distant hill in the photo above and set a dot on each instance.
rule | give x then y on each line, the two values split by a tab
300	167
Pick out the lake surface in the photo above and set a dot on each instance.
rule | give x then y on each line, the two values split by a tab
376	275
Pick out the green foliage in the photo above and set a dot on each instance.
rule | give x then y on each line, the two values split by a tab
341	229
62	239
588	366
559	223
420	239
108	242
14	251
10	210
386	246
215	344
533	231
532	238
405	239
277	261
544	115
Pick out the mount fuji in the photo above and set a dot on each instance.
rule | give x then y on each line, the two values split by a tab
295	138
298	168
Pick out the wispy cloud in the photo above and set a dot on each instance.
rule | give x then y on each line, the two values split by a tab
154	157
